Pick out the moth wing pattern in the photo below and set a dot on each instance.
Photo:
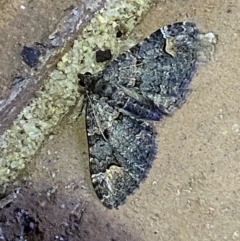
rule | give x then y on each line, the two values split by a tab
144	83
121	151
161	66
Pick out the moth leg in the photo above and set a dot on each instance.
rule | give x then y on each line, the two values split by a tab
78	109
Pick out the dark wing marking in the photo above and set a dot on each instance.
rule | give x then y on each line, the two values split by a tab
121	151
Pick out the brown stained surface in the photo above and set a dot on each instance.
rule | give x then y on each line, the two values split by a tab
23	23
192	190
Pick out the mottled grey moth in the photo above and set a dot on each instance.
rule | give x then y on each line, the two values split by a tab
140	86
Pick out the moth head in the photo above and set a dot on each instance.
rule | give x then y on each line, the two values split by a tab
87	81
95	84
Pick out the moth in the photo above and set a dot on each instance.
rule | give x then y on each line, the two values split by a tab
140	86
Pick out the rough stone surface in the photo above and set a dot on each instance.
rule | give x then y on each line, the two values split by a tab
192	190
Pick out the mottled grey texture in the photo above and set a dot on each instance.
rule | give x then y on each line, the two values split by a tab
160	68
142	84
121	152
